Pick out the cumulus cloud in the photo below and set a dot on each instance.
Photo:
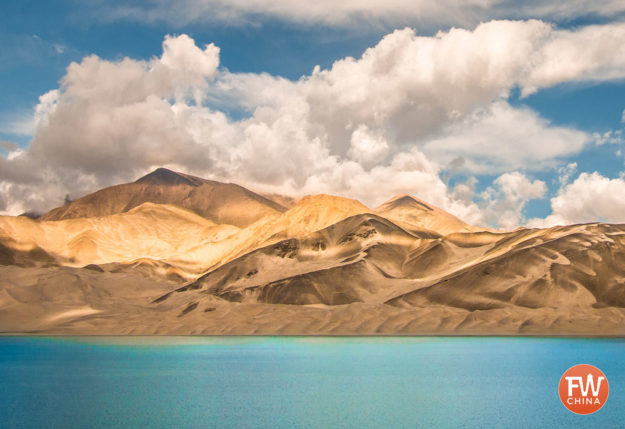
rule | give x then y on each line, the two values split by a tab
367	148
590	198
109	120
608	137
351	12
182	55
391	121
565	173
594	53
507	198
500	138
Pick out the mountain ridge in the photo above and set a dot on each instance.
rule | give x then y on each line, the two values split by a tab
220	202
324	265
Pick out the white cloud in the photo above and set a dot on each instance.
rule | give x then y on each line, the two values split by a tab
590	198
500	138
43	110
565	173
517	187
189	66
366	147
363	12
181	54
465	191
505	201
594	53
414	86
608	137
368	128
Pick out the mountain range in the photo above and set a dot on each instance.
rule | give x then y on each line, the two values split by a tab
173	253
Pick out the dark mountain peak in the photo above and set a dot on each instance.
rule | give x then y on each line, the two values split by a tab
222	203
405	200
31	215
163	176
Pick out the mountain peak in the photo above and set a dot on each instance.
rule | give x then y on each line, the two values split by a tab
404	200
328	200
164	176
411	210
222	203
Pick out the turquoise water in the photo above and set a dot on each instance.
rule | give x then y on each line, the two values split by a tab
290	382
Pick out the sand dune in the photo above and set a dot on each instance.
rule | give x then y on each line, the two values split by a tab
327	265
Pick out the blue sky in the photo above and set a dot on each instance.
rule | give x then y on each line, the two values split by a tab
40	39
32	31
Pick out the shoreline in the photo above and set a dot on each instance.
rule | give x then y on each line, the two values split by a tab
545	336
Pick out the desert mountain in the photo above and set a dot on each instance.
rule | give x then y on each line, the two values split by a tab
222	203
411	210
354	260
560	280
149	231
327	265
167	233
576	267
284	200
311	213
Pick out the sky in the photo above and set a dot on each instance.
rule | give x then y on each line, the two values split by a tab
501	114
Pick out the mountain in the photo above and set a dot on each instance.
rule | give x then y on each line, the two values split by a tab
325	265
366	274
310	214
222	203
169	233
577	267
355	260
284	200
411	210
152	231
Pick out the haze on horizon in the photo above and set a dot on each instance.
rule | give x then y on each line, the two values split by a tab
500	115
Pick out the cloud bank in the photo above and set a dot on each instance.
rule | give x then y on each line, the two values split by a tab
409	110
359	12
590	198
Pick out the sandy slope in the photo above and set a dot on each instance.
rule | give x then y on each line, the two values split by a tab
327	265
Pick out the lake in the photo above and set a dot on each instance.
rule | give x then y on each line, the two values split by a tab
291	382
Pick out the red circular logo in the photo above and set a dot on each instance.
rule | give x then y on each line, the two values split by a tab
583	389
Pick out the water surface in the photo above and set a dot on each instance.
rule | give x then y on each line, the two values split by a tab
290	382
